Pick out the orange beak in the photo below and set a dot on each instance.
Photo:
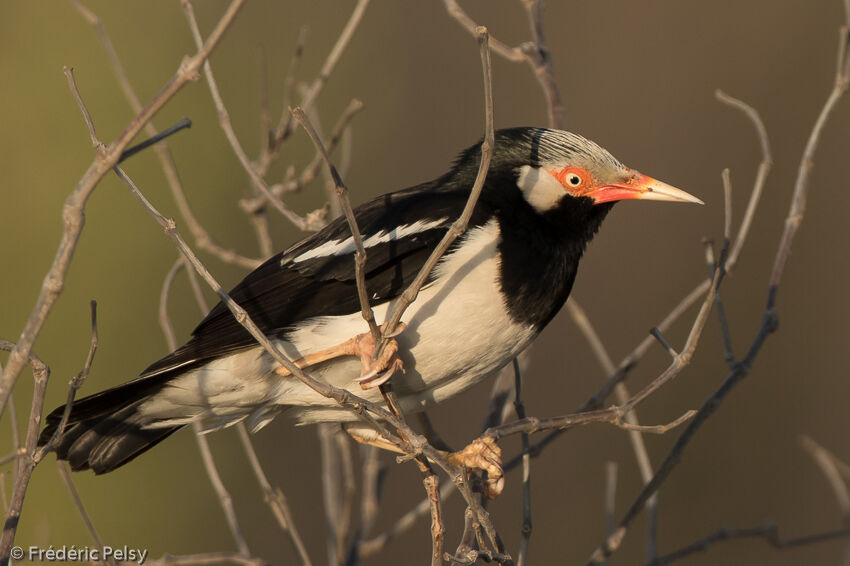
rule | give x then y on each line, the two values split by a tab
640	187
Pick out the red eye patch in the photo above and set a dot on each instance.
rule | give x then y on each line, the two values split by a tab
575	180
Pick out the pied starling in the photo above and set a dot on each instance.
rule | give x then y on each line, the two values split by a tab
493	291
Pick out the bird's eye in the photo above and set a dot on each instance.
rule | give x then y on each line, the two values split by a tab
573	180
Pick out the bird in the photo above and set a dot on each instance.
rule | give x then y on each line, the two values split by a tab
500	283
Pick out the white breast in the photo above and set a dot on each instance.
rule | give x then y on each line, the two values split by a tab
458	332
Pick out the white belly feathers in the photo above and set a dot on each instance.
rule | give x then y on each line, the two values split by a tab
458	332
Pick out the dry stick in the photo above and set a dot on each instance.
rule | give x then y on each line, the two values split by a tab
372	413
274	497
65	473
75	383
339	516
372	546
622	395
626	365
202	238
458	227
309	172
73	211
26	465
17	449
164	319
224	122
284	127
827	464
331	489
761	175
768	533
769	317
224	498
525	532
540	60
345	204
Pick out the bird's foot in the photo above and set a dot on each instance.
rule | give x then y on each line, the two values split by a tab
377	371
485	455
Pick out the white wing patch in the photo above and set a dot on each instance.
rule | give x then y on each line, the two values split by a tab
346	246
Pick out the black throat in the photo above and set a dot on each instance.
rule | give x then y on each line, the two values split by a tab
540	252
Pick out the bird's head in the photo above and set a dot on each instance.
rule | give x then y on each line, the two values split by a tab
554	169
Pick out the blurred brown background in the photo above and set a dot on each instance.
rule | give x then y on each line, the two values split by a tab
638	77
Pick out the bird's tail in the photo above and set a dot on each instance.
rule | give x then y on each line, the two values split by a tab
106	430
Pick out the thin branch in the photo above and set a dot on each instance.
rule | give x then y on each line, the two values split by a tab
284	128
75	92
827	463
769	318
401	525
164	319
345	203
768	533
224	498
73	386
309	173
27	463
65	474
73	217
273	497
202	238
525	532
761	175
226	126
459	226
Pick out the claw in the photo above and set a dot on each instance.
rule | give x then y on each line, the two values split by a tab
485	455
373	379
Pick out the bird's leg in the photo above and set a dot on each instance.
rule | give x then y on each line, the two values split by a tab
378	371
483	454
375	372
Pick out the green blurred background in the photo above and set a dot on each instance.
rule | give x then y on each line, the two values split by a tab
638	77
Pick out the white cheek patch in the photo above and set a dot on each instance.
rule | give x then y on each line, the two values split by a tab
343	247
542	191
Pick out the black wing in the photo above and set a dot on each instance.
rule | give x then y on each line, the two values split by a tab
282	291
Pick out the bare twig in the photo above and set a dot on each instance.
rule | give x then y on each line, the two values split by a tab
309	172
224	498
459	226
828	464
768	533
284	128
75	92
273	497
769	317
26	463
74	385
224	121
73	211
202	238
525	533
345	203
65	474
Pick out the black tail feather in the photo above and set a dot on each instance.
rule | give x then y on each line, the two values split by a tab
105	430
